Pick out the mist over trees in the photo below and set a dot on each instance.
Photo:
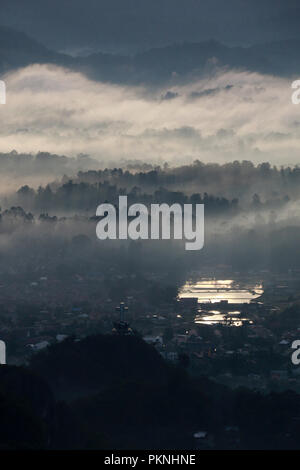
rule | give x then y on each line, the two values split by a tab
251	218
20	165
84	184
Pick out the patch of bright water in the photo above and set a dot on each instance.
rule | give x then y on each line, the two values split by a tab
215	317
215	290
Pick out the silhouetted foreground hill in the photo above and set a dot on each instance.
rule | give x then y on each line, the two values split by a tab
30	417
120	394
97	362
124	394
26	405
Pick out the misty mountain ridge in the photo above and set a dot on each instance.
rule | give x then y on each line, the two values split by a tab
175	62
17	49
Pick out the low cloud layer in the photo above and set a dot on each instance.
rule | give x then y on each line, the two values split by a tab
233	115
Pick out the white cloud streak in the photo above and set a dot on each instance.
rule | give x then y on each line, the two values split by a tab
233	115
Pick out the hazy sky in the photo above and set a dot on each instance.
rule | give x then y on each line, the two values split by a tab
233	115
71	24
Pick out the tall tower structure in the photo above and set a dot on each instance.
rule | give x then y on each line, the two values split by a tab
122	327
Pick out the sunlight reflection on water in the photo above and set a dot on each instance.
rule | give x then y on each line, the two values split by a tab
213	290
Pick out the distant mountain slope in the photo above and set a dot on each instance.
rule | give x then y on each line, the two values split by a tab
19	50
280	58
176	62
